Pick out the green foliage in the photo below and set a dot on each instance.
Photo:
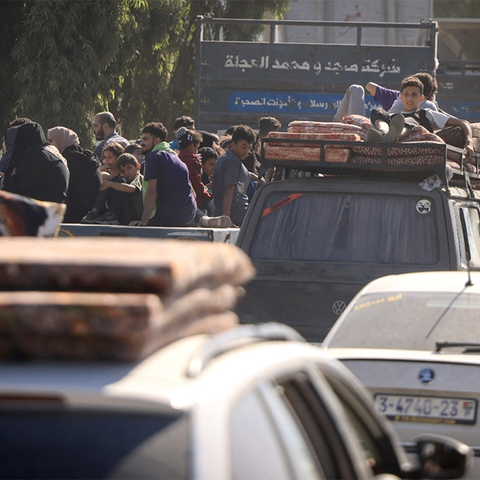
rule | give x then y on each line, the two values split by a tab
10	21
65	60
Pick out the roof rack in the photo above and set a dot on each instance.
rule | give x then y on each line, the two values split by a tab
310	155
232	339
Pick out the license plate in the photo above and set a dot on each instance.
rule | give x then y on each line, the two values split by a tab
443	410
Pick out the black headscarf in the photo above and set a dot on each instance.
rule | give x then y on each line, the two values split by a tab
34	169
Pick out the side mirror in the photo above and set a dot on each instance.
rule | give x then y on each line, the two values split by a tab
443	457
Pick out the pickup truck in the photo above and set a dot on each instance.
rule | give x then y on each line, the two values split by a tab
321	230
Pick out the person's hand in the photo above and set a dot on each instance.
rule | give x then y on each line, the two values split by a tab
136	223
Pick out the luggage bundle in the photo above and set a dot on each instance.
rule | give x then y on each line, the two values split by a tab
320	147
113	298
302	131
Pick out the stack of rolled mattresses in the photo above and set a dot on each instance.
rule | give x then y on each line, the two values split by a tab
302	148
113	298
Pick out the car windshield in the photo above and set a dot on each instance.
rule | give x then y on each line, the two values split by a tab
83	445
409	321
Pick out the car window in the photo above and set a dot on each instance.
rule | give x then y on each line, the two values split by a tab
85	444
266	440
338	228
391	320
320	425
376	443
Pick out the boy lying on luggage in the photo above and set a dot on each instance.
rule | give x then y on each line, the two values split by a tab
390	128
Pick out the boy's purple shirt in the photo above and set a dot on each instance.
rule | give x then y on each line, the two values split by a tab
385	96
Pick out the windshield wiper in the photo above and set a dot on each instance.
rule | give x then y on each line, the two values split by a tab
441	345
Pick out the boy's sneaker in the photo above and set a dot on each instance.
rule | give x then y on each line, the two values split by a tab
374	135
108	218
396	127
89	217
216	222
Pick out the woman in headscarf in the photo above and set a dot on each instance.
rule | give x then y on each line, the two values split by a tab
84	179
34	169
8	144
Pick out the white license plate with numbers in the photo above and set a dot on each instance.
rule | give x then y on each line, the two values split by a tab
446	410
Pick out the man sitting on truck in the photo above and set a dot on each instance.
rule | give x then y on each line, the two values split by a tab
169	187
389	128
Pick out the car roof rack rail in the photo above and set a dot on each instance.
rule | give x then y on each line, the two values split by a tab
383	167
240	336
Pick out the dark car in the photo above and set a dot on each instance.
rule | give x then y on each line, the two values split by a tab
318	237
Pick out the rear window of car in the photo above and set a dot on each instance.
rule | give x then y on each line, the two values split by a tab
85	444
408	321
354	228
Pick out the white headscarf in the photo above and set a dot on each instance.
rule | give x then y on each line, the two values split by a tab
62	137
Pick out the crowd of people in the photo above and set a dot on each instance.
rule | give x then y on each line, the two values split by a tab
146	181
198	178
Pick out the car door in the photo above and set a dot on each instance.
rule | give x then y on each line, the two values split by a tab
300	432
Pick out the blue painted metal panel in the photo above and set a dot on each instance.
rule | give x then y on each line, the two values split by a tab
238	82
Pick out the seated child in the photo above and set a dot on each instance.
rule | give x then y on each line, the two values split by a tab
136	150
208	157
126	203
389	128
111	173
188	142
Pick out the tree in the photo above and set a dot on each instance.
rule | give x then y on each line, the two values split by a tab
68	59
163	95
11	18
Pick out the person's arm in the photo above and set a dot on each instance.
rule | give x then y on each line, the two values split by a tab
467	131
371	88
259	179
386	97
121	187
150	199
98	172
228	199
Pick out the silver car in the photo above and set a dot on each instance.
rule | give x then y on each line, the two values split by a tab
246	404
414	341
